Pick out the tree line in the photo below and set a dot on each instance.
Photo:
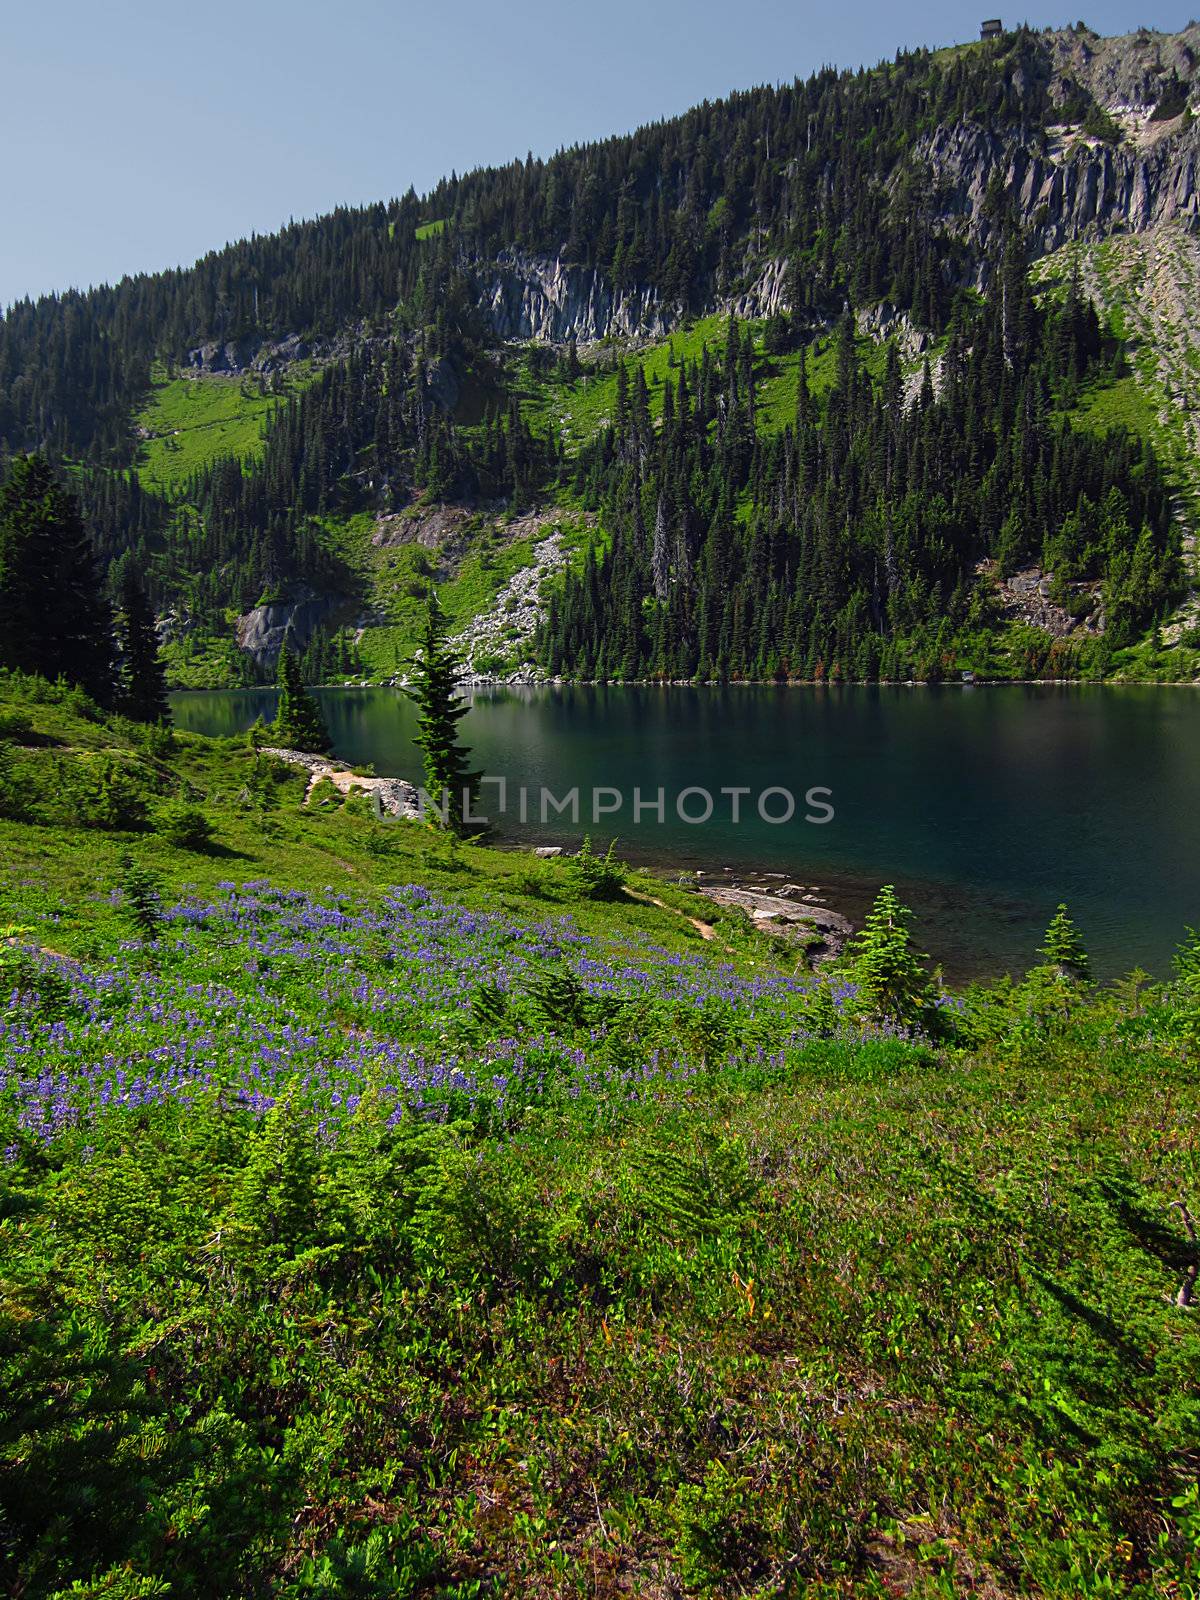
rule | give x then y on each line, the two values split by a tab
56	621
822	172
865	539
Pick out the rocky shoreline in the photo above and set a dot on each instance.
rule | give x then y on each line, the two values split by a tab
773	901
396	796
779	905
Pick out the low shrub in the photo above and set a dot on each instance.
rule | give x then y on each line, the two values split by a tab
183	825
103	792
16	726
596	877
14	803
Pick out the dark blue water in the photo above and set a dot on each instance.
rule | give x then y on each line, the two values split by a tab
985	805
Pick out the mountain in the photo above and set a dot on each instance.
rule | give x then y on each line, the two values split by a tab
886	373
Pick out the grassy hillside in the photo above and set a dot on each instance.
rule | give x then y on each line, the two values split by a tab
188	423
580	407
193	421
381	1217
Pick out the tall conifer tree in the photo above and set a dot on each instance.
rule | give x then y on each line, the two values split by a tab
298	722
449	782
142	681
54	620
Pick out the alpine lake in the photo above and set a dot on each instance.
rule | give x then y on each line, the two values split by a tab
986	805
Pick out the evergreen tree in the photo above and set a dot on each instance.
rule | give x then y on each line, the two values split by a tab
142	682
433	689
142	898
274	1210
53	618
298	722
890	977
1064	949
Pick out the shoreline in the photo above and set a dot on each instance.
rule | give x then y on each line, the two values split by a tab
731	683
774	902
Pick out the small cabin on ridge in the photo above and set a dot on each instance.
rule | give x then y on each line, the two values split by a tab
991	29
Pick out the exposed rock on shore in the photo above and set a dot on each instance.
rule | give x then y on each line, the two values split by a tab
397	797
786	909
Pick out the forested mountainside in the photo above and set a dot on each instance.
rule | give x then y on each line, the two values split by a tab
886	372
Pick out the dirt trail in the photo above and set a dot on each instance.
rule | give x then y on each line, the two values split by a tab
704	929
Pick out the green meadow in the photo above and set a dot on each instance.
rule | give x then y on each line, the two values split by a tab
381	1215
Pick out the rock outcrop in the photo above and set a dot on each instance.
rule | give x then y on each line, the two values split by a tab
1127	69
233	358
1065	187
541	297
261	632
396	796
1027	596
785	911
1068	184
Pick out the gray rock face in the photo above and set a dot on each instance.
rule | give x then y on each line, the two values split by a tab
765	296
442	384
541	297
1063	190
235	357
261	631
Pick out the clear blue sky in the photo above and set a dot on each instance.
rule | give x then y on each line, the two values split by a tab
138	136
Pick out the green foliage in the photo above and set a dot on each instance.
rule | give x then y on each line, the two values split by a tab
721	1529
1098	124
298	722
53	619
273	1213
560	1000
14	802
41	988
433	688
697	1192
1187	958
733	551
183	825
893	984
142	687
142	898
596	877
16	726
1064	948
489	1008
104	791
281	1330
387	1564
190	424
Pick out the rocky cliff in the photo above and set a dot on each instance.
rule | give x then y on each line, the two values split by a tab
261	632
542	297
1067	183
1065	186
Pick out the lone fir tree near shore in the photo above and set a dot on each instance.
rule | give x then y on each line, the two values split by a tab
142	682
298	722
449	782
889	971
1064	948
